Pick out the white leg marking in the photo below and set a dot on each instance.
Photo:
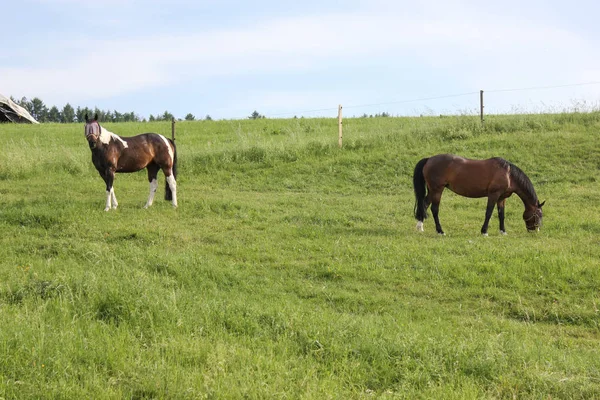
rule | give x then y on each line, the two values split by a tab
173	187
503	233
108	197
484	234
168	146
153	187
114	198
420	226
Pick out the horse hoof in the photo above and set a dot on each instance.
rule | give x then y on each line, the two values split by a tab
107	209
441	234
503	233
484	234
420	226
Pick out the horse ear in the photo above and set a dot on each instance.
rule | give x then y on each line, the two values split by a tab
541	204
96	117
86	118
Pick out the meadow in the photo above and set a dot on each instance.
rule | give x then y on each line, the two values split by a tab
292	268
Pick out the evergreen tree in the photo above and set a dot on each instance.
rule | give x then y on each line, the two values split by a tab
68	114
39	111
88	112
256	115
53	115
26	104
190	117
79	114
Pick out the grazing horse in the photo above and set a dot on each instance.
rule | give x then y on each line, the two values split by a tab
112	153
494	178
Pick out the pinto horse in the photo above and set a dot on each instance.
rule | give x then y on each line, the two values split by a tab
112	153
494	178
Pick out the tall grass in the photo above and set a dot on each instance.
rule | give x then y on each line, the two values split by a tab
291	268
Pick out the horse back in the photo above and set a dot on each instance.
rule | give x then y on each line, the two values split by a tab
466	177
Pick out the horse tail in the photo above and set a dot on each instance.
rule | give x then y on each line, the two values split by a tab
420	190
168	193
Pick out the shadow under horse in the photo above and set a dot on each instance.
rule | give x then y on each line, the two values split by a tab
494	178
112	153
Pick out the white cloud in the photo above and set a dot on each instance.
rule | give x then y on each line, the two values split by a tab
482	50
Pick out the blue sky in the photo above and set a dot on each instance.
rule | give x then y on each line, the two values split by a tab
229	58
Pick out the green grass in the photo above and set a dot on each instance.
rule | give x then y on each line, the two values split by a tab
292	268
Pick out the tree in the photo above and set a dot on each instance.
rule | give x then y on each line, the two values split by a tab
151	118
26	104
68	114
167	116
107	116
53	115
190	117
117	116
79	114
256	115
39	111
130	117
208	118
82	112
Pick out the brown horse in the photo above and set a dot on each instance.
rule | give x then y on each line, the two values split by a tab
111	153
494	178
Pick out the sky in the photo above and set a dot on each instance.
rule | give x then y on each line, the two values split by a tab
228	58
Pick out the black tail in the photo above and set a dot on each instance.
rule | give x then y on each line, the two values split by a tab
168	193
420	191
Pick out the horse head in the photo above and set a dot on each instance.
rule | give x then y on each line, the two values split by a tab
533	216
92	131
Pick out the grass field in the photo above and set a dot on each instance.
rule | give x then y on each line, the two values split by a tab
292	269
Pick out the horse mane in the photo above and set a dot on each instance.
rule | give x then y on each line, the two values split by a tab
106	135
522	180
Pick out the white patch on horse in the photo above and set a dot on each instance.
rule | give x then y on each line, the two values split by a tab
168	146
106	135
173	187
108	197
114	198
420	226
153	188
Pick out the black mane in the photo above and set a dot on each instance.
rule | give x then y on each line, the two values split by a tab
523	181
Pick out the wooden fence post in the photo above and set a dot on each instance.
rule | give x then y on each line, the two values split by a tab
173	128
481	105
340	126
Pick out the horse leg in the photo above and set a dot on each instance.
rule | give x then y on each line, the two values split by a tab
436	197
427	203
152	175
111	199
173	186
501	215
488	214
114	198
492	200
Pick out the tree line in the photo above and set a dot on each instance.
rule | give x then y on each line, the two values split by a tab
42	113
